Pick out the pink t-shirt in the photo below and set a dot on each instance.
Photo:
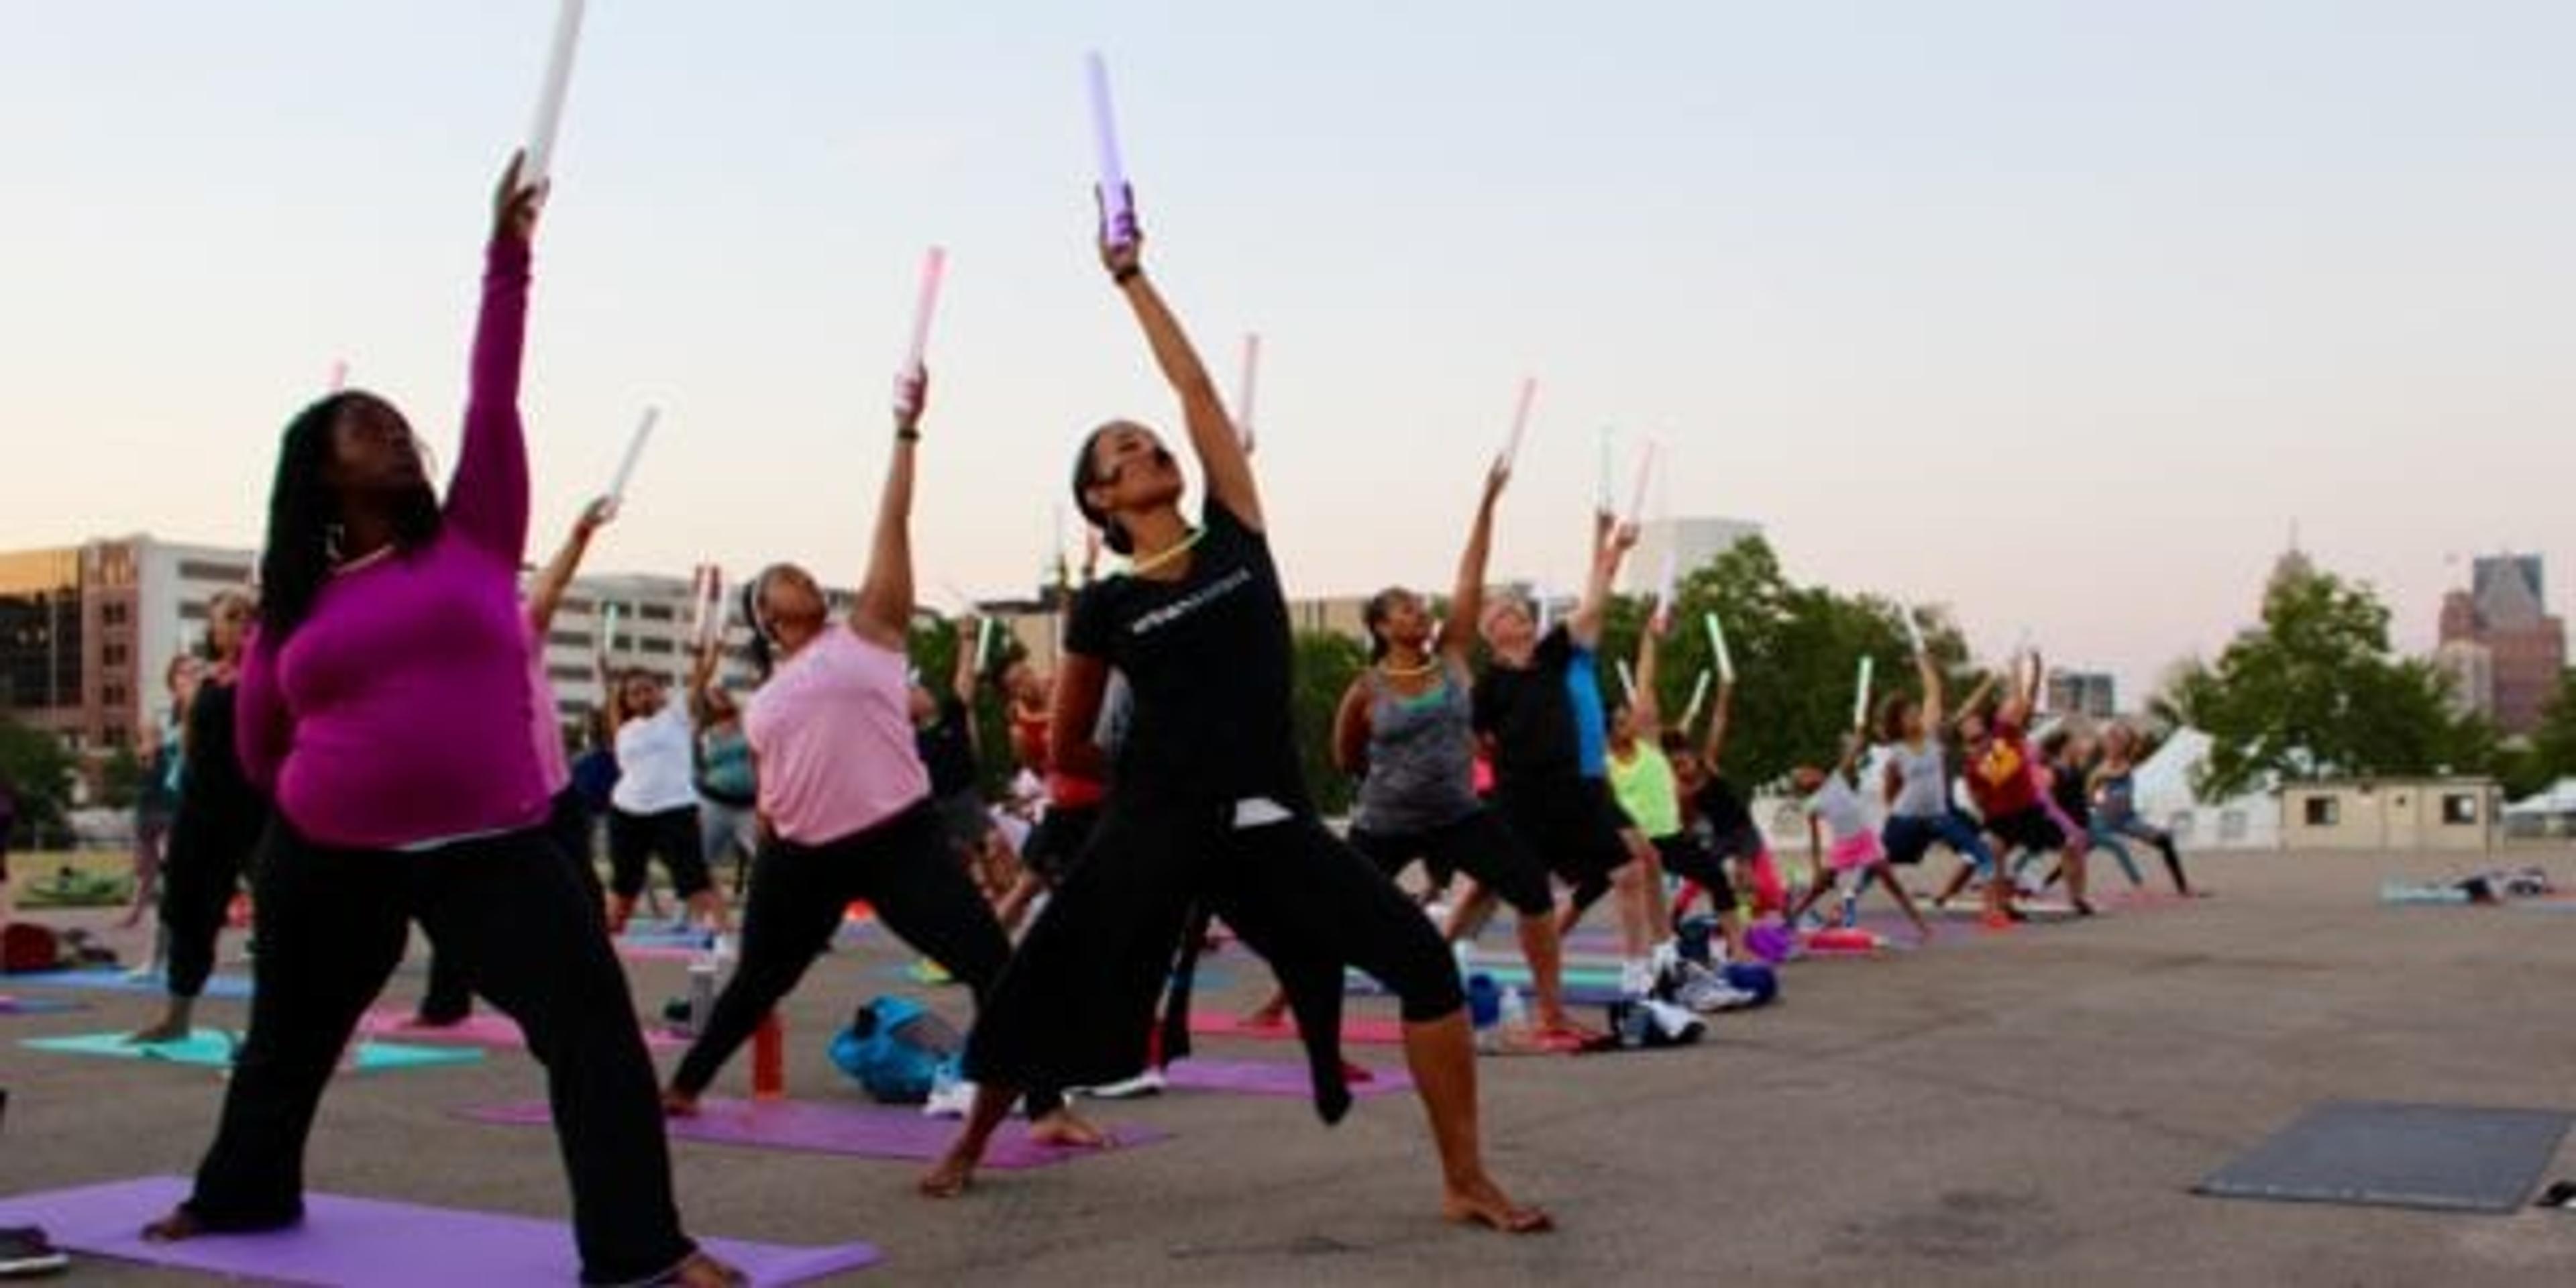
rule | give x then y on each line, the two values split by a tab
832	733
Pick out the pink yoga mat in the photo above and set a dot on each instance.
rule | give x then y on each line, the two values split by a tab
856	1130
1272	1078
1359	1030
483	1029
369	1241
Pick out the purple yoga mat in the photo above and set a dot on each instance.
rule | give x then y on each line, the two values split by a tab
39	1006
861	1131
484	1029
368	1241
1272	1078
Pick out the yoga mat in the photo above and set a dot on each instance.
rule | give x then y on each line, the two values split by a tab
483	1029
838	1127
213	1049
1361	1030
113	979
39	1006
2376	1154
369	1241
1285	1078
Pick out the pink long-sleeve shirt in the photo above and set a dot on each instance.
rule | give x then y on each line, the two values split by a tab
399	711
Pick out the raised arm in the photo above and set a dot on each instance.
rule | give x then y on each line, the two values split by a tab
545	594
1467	596
1351	730
1929	670
1712	753
1645	708
487	500
1212	434
1613	541
2025	682
1978	695
1080	680
883	613
707	698
970	659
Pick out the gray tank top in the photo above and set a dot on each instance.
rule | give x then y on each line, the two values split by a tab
1421	760
1923	781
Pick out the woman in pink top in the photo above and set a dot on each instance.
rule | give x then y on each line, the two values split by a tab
846	800
384	704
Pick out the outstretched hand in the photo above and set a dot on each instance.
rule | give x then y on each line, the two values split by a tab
515	207
601	512
1498	478
911	397
1125	255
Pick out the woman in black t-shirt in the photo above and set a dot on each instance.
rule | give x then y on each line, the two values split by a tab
1208	808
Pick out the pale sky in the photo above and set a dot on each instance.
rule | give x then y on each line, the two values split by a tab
2060	313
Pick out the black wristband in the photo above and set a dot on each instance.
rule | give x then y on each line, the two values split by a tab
907	434
1128	274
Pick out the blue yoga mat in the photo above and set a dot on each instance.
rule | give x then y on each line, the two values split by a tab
213	1049
114	980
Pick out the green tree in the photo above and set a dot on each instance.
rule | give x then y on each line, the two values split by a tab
121	779
2317	694
38	769
1325	664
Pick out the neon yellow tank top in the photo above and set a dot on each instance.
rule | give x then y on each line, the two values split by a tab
1644	784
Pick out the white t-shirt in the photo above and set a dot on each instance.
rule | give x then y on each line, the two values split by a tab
653	763
1844	813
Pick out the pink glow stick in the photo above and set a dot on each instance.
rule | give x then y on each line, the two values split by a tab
1520	421
1244	392
1118	220
339	374
934	268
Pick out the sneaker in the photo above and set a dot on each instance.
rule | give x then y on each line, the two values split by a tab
1149	1083
1706	992
949	1098
26	1252
1636	978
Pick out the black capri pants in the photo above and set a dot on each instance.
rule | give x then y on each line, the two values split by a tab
671	835
1479	845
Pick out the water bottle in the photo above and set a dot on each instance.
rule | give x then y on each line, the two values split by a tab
1484	1010
1515	1018
702	993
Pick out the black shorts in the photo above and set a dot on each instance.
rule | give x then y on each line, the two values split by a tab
1571	824
1479	845
2030	829
1746	842
1057	841
1685	857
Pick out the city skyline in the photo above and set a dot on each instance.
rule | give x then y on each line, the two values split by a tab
2058	318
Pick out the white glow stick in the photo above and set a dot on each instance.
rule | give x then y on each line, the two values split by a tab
550	98
1118	221
984	642
634	453
1860	701
1244	391
1627	681
1914	634
1664	589
1698	699
339	374
1645	476
698	603
1717	646
934	267
1603	501
1546	610
608	630
1520	421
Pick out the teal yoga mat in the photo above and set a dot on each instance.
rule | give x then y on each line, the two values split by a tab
213	1049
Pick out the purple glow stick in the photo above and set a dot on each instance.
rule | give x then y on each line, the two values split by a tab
550	97
1118	219
934	269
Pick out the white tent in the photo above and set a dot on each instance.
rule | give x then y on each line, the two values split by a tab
2167	798
2558	802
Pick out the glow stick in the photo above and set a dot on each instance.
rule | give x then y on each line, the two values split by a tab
1914	634
1664	590
1627	681
1698	699
698	603
634	452
1546	610
550	98
1118	221
720	609
1717	646
1860	703
608	630
934	266
1243	392
1520	421
1602	501
984	642
1645	476
339	374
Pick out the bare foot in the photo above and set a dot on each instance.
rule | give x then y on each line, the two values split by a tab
703	1271
679	1104
1067	1130
165	1031
174	1228
1484	1204
954	1175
